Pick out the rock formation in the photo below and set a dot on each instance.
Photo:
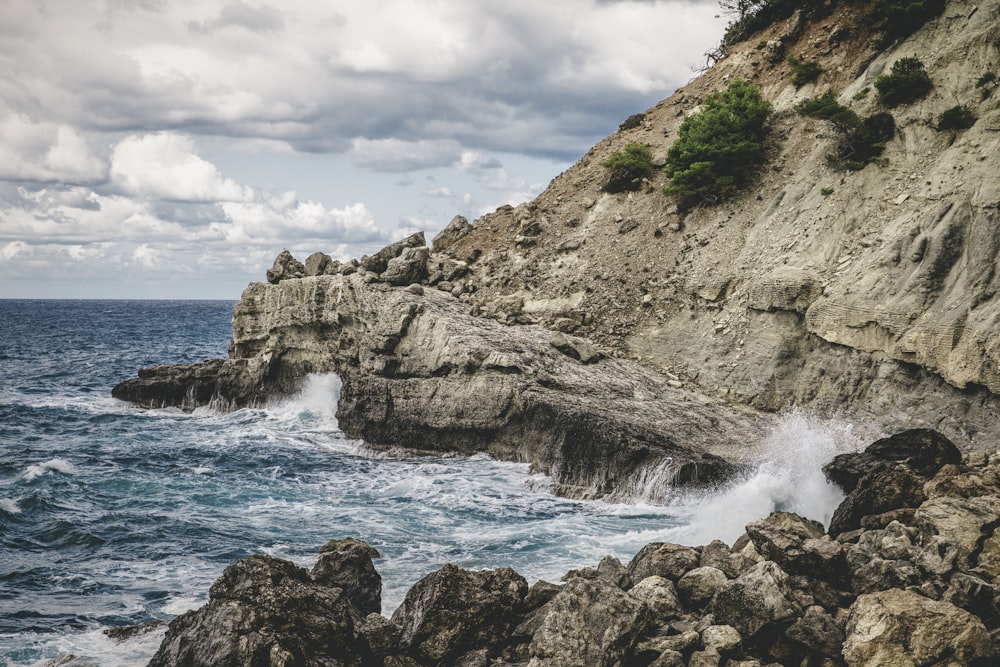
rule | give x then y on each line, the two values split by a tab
919	589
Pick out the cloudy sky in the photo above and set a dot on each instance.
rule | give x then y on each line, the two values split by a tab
171	148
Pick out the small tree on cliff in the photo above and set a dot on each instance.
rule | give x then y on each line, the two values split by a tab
719	148
628	167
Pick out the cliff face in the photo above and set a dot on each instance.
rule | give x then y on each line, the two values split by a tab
870	293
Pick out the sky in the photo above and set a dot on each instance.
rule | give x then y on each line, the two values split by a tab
170	149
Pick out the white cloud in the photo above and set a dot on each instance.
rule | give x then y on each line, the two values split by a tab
397	155
45	151
164	165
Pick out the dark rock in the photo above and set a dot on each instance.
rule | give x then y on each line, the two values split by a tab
797	544
456	229
378	262
265	611
540	593
347	564
717	554
722	638
452	611
818	631
126	632
285	267
589	622
663	559
380	634
882	490
924	450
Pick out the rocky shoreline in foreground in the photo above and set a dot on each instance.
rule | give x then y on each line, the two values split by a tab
907	574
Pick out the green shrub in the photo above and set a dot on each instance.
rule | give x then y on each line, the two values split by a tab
826	192
719	148
956	118
907	82
752	16
901	18
860	140
633	121
628	167
803	71
986	79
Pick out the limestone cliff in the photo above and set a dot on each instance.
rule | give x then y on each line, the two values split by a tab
871	293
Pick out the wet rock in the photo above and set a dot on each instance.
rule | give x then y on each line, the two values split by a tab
347	564
758	599
882	490
589	622
925	451
263	610
896	627
452	611
663	559
447	237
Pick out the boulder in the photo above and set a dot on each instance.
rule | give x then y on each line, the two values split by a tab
797	544
263	610
724	639
321	264
663	559
967	523
698	586
285	267
456	229
758	599
897	627
817	631
924	450
378	262
589	622
408	268
453	611
892	487
347	564
718	554
660	595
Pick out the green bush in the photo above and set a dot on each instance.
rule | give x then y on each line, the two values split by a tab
628	167
860	140
907	82
901	18
956	118
986	80
719	148
752	16
803	71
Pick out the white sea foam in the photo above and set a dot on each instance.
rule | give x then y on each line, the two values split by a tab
9	506
52	465
790	478
315	404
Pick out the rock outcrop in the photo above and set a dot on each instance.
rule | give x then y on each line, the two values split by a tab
917	591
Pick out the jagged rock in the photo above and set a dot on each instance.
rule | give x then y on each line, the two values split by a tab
967	523
663	559
347	564
575	348
263	610
717	554
321	264
669	659
724	639
884	489
589	622
409	267
710	657
698	586
925	451
818	631
380	634
757	599
285	267
660	595
896	627
378	262
796	544
452	611
456	229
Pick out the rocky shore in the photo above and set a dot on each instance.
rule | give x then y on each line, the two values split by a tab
907	575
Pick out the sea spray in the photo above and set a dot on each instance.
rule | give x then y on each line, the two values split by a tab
788	478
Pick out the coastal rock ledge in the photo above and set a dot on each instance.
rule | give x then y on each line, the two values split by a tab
422	370
915	584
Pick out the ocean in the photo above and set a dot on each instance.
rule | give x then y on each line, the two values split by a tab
111	515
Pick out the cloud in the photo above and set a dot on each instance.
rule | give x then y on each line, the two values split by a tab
398	156
165	166
45	151
280	220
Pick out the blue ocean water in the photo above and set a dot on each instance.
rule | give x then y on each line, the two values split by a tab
112	515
